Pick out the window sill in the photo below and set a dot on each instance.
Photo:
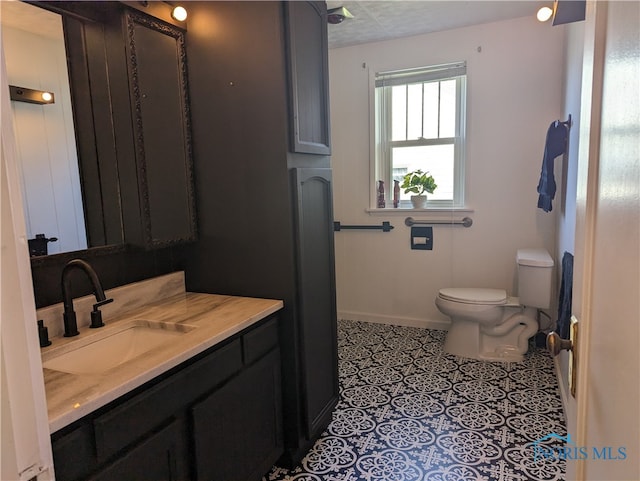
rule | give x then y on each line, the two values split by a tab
409	210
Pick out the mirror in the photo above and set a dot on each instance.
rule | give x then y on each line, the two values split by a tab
69	175
35	56
120	76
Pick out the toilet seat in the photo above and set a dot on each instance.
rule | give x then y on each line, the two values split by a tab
473	295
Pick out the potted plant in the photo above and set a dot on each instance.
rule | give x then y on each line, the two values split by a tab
418	182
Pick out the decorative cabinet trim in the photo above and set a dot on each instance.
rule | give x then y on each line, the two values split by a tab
134	19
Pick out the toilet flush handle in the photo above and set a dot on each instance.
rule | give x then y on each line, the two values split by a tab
555	344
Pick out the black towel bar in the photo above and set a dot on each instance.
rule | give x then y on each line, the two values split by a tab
385	227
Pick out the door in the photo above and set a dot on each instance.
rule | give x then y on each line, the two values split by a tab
26	447
606	420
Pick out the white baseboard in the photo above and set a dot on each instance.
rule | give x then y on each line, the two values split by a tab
564	391
394	320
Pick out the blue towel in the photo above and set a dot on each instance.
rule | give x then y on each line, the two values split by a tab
555	145
566	294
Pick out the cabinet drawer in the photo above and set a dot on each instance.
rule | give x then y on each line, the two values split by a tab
126	423
260	340
158	457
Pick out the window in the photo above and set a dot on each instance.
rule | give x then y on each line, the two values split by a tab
419	124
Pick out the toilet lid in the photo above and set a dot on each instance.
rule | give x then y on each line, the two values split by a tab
473	295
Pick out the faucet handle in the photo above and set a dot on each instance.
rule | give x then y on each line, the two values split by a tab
101	303
96	315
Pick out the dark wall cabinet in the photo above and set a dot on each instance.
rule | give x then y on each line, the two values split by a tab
306	30
216	417
162	187
265	204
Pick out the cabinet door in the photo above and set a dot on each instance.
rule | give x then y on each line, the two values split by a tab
238	430
306	24
317	303
160	456
161	125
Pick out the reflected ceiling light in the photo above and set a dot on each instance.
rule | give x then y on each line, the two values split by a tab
31	96
337	15
544	14
179	13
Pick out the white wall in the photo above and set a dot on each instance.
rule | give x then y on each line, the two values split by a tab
567	174
514	92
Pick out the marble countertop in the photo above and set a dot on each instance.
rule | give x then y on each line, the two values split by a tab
204	320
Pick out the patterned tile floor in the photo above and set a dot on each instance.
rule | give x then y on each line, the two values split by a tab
408	412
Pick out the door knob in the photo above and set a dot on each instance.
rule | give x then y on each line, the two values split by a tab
555	344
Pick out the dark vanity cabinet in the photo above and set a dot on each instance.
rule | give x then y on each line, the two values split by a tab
244	442
215	417
264	201
259	120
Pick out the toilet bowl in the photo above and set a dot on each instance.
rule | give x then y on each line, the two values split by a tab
489	325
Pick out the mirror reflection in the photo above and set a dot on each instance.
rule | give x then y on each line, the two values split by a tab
35	57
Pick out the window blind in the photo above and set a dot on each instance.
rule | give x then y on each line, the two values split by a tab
417	75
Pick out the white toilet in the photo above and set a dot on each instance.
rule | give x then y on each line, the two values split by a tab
487	324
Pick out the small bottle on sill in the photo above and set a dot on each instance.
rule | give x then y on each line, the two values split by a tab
381	202
396	194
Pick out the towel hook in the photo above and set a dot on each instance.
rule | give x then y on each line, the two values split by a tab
568	122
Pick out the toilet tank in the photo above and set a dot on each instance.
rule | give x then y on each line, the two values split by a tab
535	271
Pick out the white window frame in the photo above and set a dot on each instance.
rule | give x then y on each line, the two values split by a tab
381	131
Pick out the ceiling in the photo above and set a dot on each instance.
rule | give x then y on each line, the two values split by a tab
377	20
30	18
374	20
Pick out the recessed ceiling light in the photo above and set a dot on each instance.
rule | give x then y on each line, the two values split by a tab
544	14
179	13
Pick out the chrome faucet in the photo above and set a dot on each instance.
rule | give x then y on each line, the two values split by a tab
69	316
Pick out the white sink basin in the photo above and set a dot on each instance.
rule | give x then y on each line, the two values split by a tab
112	350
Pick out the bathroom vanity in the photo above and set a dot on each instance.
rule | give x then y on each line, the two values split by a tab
204	403
257	111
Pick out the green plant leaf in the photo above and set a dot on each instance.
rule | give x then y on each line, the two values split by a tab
418	182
